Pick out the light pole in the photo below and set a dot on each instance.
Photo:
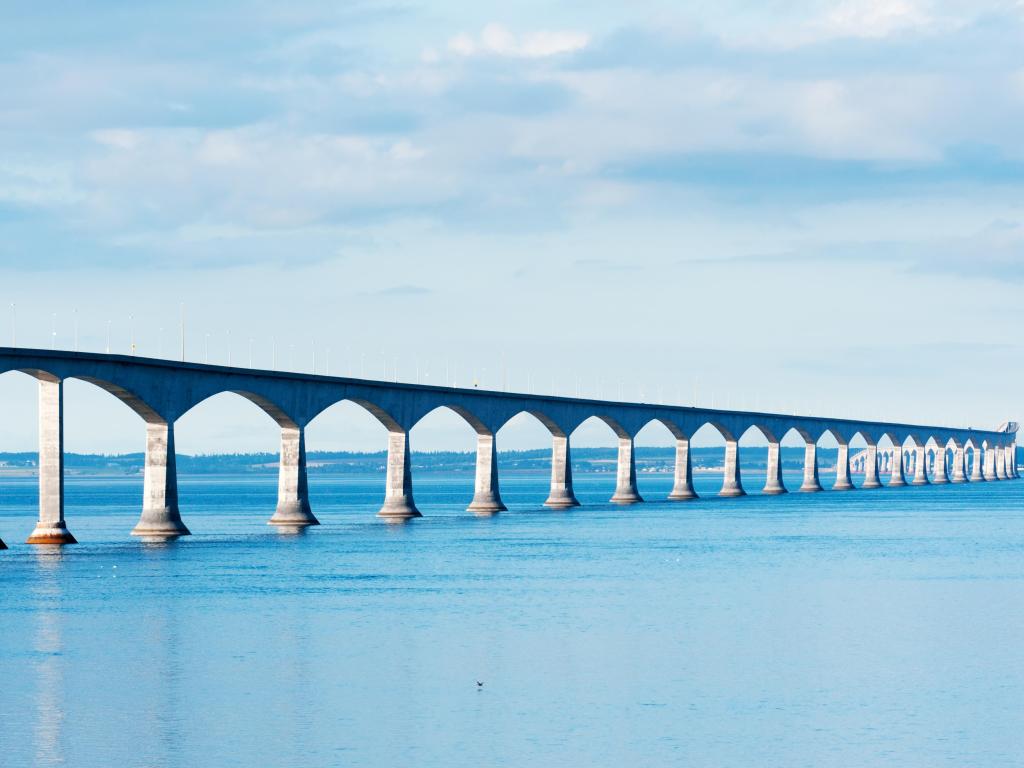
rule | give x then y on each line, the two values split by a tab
183	332
108	337
131	332
250	352
206	349
328	362
273	353
53	331
312	344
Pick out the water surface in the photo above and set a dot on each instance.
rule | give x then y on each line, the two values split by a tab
831	629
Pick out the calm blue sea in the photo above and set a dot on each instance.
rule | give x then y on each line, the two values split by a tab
833	629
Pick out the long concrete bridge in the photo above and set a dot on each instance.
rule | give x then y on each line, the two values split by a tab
161	391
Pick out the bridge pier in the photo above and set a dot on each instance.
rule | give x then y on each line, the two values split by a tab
773	485
897	476
871	468
959	458
988	464
682	486
1011	461
486	497
940	468
398	502
625	474
1000	463
977	468
843	482
160	514
920	465
293	509
811	483
51	528
732	485
561	495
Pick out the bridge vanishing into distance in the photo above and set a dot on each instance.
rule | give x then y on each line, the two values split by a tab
161	391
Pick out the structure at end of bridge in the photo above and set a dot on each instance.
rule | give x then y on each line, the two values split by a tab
161	391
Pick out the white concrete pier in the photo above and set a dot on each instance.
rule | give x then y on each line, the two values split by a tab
682	485
293	508
51	528
398	502
773	485
160	514
625	474
486	498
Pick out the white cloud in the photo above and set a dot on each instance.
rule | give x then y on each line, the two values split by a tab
117	138
875	18
496	40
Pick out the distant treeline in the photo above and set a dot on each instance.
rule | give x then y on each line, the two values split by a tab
539	460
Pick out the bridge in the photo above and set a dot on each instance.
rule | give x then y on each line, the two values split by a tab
161	391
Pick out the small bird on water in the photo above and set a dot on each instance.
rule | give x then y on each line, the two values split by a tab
479	684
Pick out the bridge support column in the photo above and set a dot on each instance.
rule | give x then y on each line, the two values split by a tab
940	474
293	510
486	498
843	469
732	485
773	485
959	475
1000	463
898	477
625	477
871	468
160	514
561	495
1011	461
811	483
920	465
51	528
977	466
682	487
988	464
398	502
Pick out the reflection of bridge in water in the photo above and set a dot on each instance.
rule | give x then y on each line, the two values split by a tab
161	391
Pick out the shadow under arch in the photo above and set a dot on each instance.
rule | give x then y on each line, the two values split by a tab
625	463
760	436
732	484
810	482
560	493
653	433
486	498
290	498
863	460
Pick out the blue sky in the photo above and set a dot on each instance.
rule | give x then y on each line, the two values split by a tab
810	205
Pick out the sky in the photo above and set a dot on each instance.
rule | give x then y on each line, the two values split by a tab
812	206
